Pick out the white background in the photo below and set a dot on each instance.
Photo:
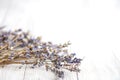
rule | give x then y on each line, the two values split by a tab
92	26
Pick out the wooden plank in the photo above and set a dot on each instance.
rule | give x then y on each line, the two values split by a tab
12	72
38	74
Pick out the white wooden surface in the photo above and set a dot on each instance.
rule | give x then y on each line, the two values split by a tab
94	31
12	72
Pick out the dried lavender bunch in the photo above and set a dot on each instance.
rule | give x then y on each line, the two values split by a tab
19	47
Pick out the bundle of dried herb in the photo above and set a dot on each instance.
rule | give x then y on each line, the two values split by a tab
18	47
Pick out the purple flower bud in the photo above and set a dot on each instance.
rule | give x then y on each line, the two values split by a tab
32	67
19	30
61	74
73	54
78	60
27	55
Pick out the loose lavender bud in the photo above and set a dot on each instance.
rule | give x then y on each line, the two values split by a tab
61	74
32	67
